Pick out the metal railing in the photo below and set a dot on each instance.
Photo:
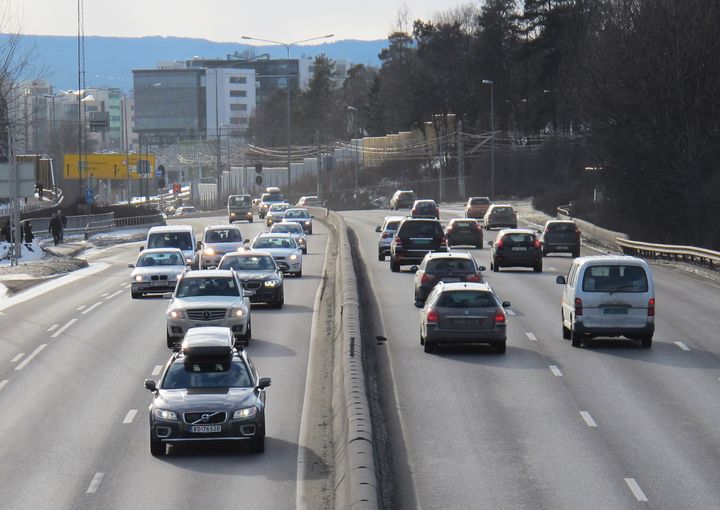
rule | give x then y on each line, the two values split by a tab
676	252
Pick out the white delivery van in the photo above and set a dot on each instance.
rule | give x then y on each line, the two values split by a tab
608	296
174	236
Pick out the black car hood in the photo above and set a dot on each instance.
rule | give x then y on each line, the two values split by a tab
185	400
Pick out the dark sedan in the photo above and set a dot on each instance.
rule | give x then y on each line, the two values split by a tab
517	247
464	231
259	274
560	236
445	267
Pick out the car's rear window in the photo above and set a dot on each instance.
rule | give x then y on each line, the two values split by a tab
502	210
426	205
466	299
561	228
406	195
450	265
274	242
293	228
392	225
464	224
209	374
615	278
421	229
518	238
297	214
479	201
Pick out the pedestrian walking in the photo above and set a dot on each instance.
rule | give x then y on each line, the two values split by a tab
56	228
63	222
27	230
5	232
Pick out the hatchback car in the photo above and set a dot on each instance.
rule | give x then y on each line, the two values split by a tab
185	209
283	248
302	217
156	271
445	267
500	216
217	241
464	231
463	313
208	392
425	209
276	213
387	233
259	275
560	236
517	247
310	201
294	229
208	298
476	207
608	296
414	238
402	199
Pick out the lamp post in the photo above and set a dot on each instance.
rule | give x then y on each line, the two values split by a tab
218	172
353	112
287	47
492	137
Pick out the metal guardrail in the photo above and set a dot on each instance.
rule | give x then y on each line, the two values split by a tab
137	221
670	252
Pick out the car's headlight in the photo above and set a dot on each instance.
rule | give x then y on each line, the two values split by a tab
293	256
248	412
307	223
209	251
189	260
176	313
237	313
139	278
232	214
300	240
164	414
271	283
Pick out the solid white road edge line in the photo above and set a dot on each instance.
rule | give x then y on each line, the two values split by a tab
44	288
636	490
130	416
3	383
114	294
156	370
91	308
555	370
62	330
17	358
531	336
588	419
682	346
52	327
30	357
95	483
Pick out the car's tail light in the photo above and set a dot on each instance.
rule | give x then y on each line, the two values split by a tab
426	278
398	241
414	211
578	306
385	235
577	231
500	318
499	244
536	243
443	241
651	307
449	228
477	227
473	278
432	316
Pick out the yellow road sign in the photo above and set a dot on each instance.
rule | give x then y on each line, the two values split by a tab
109	166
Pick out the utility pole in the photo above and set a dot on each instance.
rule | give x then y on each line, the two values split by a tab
461	161
319	165
218	172
14	202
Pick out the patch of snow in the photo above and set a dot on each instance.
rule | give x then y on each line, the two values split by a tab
28	252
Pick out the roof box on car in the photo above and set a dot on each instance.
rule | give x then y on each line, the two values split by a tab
209	343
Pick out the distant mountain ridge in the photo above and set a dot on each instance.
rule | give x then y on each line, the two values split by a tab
109	61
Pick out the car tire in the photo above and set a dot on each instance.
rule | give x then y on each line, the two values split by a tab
135	295
479	246
381	257
545	252
538	267
499	347
157	448
170	341
257	444
575	338
565	333
575	254
305	251
494	266
248	334
646	341
422	340
298	274
429	347
250	220
394	266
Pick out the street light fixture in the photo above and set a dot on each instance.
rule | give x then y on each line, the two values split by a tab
492	137
287	47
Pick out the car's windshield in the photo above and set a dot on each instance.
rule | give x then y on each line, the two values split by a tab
239	200
229	235
248	263
186	374
181	240
615	278
274	242
207	286
279	207
466	299
160	259
297	214
293	228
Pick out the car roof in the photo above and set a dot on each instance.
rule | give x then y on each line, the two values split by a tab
516	231
501	205
221	227
484	287
274	234
203	273
394	218
424	200
448	255
298	209
453	220
610	259
160	250
170	228
248	253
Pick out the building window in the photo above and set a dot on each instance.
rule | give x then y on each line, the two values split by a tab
238	120
238	79
238	107
238	93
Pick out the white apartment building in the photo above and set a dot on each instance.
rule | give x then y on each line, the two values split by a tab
230	100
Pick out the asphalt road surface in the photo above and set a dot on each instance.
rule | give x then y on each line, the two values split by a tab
74	422
549	426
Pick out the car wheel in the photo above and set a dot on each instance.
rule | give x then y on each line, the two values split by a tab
575	338
494	266
545	252
394	266
298	274
479	245
135	295
250	220
157	448
646	341
575	254
304	251
170	341
422	340
565	333
538	267
248	334
500	347
381	256
257	445
429	347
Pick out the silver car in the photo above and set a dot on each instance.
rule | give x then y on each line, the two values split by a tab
285	251
293	228
156	271
208	298
217	241
302	217
276	213
387	233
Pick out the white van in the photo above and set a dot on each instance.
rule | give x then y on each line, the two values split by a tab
608	296
174	236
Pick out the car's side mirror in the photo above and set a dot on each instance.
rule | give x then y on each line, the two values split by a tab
560	280
481	268
150	384
167	295
378	229
142	248
198	245
131	266
418	304
413	269
506	304
246	241
264	382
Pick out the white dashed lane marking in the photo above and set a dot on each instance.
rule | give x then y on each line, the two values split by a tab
17	358
636	490
130	416
588	419
30	357
103	295
62	329
54	326
80	307
682	346
156	370
556	371
510	312
95	483
3	383
90	309
114	294
531	336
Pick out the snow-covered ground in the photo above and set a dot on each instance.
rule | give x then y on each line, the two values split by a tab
29	252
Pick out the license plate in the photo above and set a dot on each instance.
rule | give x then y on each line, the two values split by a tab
158	284
451	280
465	322
205	429
562	247
422	241
519	248
615	311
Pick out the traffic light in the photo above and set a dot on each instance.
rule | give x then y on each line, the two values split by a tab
161	183
258	168
258	180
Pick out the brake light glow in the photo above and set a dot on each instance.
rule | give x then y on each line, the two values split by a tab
425	278
398	241
385	235
443	241
651	307
432	316
578	306
499	244
449	228
500	318
536	243
414	211
473	278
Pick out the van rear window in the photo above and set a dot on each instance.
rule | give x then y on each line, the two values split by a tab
181	240
615	278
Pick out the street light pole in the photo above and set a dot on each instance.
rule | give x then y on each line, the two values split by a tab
287	47
492	137
217	143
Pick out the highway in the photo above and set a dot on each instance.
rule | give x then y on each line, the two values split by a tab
74	422
548	426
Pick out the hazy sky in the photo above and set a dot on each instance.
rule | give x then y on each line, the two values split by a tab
222	20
